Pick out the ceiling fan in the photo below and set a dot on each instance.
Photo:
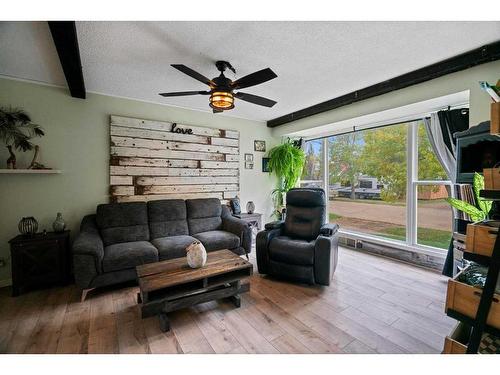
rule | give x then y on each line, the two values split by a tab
222	88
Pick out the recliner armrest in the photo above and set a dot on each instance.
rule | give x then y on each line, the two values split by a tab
329	229
274	225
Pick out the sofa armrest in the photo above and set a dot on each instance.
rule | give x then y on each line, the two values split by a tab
329	229
274	225
89	240
88	252
240	228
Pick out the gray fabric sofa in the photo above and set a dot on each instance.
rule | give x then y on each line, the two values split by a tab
301	248
121	236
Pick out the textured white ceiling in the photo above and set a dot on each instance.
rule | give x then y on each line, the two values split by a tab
314	61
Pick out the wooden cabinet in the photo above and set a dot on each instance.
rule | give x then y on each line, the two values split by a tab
481	239
465	299
495	119
40	260
491	178
255	219
456	342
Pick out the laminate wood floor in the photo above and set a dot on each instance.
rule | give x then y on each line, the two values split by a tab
374	305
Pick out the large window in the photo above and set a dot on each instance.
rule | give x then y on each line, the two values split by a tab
383	182
313	172
367	181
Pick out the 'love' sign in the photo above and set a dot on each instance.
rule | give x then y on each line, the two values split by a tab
177	130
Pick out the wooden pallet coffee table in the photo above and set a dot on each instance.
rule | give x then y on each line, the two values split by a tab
172	285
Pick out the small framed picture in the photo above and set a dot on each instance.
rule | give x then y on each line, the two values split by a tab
259	146
265	165
249	157
248	165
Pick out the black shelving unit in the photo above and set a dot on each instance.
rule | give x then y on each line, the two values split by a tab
478	324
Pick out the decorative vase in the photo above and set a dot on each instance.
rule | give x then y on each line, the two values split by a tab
196	255
28	226
59	225
250	207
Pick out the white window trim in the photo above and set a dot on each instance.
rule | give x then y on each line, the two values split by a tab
421	249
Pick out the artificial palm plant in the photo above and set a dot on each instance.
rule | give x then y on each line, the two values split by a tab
286	161
16	130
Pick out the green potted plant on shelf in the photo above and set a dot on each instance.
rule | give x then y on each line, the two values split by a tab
481	210
16	130
286	161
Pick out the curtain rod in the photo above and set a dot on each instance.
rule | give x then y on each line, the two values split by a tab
360	128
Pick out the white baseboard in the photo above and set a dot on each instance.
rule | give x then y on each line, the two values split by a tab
6	282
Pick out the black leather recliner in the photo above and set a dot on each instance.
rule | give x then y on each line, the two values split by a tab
301	248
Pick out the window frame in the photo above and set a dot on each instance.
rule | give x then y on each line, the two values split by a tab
412	182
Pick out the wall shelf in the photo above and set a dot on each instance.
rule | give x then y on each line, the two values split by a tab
30	171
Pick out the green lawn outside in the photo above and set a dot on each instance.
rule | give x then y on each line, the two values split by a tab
425	236
334	217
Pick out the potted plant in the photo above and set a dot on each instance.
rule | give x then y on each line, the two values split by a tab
16	130
286	161
481	210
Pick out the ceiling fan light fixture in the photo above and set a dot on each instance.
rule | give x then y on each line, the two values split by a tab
221	100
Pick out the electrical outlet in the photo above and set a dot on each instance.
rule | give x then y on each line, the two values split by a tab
2	262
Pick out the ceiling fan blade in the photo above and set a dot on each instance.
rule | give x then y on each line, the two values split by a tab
185	93
253	79
190	72
255	99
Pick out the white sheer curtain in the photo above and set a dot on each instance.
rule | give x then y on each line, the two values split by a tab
436	139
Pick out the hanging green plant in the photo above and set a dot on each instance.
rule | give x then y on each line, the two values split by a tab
286	161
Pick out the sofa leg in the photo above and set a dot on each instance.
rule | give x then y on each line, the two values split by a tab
84	293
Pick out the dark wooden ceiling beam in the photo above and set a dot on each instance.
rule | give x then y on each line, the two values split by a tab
66	41
485	54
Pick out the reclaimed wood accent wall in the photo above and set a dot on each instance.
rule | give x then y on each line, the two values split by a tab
163	160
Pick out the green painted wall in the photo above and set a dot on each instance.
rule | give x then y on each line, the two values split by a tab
449	84
77	142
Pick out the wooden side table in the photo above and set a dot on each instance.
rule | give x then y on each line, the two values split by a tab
255	219
40	260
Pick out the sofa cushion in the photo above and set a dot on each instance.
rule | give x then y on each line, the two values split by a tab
167	218
292	251
203	215
122	222
218	240
125	255
172	247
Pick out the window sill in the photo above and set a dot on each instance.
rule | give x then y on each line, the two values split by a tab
400	250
